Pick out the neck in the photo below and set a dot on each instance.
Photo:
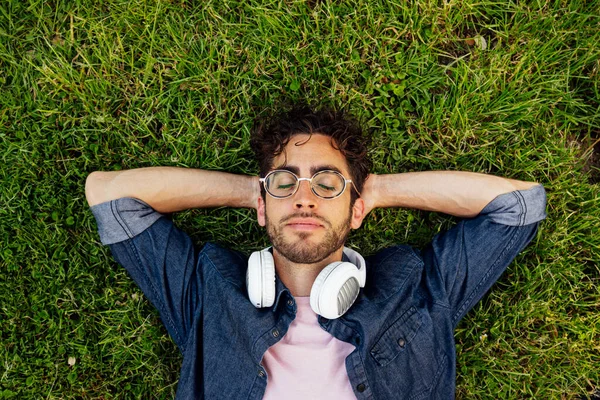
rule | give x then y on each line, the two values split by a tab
299	278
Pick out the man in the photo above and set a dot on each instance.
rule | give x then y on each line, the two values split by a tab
252	339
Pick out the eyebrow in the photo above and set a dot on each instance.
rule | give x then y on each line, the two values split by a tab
313	169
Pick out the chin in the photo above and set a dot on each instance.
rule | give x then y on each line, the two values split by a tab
304	236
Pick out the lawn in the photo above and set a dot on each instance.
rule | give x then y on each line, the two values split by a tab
505	88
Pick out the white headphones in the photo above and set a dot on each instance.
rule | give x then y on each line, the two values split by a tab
332	294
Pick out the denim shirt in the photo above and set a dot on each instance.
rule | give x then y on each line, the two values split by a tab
401	324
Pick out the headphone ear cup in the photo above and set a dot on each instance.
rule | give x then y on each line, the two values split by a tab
335	289
260	279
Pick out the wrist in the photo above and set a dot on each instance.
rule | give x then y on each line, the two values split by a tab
392	190
371	192
254	190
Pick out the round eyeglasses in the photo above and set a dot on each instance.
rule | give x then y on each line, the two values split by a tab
324	184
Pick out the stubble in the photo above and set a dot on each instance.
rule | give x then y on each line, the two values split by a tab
298	248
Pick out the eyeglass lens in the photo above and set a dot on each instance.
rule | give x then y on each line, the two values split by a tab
325	184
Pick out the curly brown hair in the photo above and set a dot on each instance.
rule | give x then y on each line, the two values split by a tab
270	137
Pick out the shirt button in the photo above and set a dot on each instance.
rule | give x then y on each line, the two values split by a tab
361	387
275	333
401	342
261	373
290	302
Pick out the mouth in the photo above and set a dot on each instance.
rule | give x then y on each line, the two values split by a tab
304	224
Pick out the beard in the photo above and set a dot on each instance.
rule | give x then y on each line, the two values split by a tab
298	249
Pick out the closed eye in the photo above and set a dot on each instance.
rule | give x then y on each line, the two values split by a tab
325	187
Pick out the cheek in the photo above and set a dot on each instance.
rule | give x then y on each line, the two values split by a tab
341	214
273	211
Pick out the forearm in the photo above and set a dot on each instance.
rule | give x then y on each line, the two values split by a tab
462	194
171	189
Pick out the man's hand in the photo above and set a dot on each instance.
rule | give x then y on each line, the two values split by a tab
171	189
369	194
462	194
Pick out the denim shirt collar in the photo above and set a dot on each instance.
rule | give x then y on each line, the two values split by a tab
280	289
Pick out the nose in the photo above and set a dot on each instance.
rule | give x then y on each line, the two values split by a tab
304	197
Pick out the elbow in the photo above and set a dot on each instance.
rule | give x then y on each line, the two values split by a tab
95	187
524	185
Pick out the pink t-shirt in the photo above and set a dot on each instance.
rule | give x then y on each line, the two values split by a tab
308	362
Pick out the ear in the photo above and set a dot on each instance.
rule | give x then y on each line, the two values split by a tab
358	213
260	211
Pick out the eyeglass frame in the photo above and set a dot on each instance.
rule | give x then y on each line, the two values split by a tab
298	180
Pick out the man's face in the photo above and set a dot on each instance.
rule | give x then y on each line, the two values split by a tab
305	228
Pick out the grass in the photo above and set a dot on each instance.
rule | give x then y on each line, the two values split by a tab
507	88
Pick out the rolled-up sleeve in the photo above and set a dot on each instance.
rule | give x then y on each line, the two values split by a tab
160	258
465	261
123	219
518	208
